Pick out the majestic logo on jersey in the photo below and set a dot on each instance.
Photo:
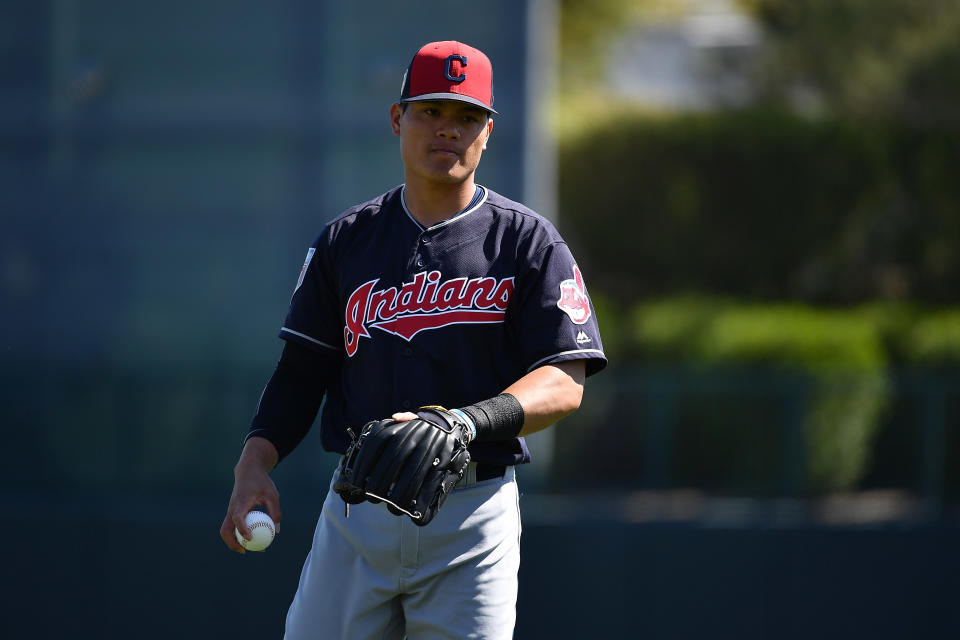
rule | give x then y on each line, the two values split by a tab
423	304
573	298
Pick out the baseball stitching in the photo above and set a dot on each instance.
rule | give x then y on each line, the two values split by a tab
257	525
262	524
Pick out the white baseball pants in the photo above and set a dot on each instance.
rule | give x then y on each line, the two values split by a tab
374	575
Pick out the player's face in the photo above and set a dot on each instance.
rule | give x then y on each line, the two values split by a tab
441	141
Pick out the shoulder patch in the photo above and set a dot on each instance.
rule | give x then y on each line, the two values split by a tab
303	272
573	298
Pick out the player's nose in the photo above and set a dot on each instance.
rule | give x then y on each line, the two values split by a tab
449	131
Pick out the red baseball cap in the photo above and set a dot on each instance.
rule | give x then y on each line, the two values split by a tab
449	70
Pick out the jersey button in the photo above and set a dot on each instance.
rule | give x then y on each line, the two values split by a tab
407	351
419	262
405	404
424	239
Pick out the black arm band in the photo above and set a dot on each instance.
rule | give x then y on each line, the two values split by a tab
499	418
292	397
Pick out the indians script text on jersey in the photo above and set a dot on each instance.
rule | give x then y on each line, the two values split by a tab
450	314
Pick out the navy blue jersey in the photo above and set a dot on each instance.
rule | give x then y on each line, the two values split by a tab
448	315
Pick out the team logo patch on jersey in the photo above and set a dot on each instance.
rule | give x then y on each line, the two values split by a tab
303	272
423	304
573	298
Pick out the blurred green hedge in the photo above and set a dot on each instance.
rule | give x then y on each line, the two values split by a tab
749	387
840	355
846	219
762	204
934	340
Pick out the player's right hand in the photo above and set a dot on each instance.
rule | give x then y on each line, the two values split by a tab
252	487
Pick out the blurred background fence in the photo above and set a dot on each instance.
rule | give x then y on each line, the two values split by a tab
761	195
679	494
725	432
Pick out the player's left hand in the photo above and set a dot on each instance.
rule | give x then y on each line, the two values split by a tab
411	462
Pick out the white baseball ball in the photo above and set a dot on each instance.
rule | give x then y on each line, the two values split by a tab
261	528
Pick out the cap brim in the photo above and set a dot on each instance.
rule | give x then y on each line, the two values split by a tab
451	96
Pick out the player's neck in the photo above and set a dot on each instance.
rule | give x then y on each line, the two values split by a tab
430	203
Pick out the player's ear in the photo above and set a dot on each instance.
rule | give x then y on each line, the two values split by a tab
489	131
396	112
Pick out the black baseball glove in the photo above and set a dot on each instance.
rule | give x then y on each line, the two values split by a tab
411	466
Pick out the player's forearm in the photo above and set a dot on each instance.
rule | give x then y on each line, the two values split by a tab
548	393
292	397
258	453
532	403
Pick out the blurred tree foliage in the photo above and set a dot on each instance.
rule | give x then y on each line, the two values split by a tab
857	204
879	59
887	59
763	204
836	191
589	27
584	29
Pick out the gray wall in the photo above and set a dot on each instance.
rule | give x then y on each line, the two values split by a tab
165	167
163	170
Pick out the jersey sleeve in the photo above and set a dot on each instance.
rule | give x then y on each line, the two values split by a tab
313	319
554	318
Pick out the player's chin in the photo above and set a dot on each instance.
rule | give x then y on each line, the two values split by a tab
453	175
453	166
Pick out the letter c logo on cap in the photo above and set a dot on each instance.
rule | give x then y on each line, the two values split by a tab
447	68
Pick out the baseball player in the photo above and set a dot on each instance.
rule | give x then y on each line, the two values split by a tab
439	311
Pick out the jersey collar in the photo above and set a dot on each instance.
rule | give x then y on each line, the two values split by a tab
475	204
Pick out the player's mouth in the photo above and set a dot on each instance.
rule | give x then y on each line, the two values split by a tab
445	151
